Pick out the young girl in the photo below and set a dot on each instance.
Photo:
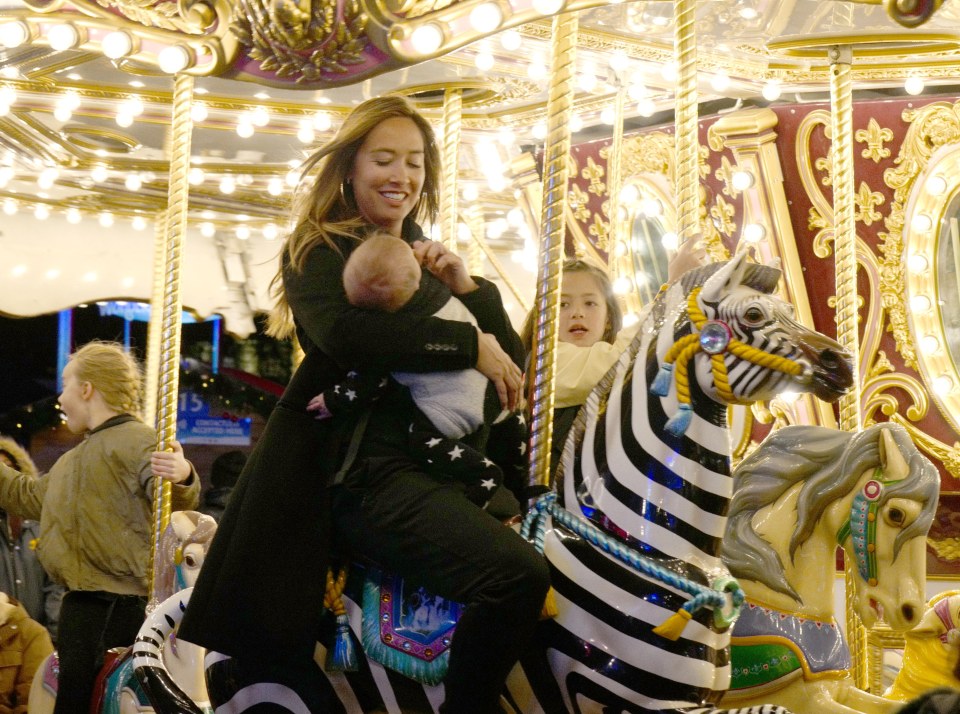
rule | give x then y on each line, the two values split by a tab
95	512
589	335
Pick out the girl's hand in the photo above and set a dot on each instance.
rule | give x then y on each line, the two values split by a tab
171	465
690	255
496	365
446	266
318	405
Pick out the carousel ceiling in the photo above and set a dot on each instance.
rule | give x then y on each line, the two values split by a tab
86	95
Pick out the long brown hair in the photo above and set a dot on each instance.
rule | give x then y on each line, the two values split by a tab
328	208
614	313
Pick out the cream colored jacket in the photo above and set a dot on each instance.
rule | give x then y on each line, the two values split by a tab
580	368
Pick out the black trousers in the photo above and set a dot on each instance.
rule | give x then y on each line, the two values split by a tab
426	530
90	624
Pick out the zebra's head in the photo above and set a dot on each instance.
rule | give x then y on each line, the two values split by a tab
743	342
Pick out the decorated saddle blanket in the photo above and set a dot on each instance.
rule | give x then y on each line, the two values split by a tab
407	629
768	644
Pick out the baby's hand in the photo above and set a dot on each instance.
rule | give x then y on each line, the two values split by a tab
171	466
318	405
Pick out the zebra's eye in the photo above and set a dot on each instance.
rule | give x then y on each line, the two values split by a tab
754	315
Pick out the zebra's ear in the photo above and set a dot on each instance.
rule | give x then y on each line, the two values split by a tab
728	277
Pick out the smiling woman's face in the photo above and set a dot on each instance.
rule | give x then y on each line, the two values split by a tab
388	173
583	312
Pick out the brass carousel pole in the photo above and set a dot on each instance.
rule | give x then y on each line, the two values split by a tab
452	107
556	152
845	245
687	182
152	375
176	224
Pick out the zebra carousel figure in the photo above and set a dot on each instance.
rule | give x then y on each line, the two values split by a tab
632	526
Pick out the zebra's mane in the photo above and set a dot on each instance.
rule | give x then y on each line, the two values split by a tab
829	463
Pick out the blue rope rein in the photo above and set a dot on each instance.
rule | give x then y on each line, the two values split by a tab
702	596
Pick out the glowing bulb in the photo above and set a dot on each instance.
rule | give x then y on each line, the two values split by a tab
943	384
669	72
427	39
227	185
10	207
14	34
748	13
173	59
486	18
789	397
936	185
245	130
52	274
921	223
199	112
116	44
243	232
753	232
651	207
536	71
292	178
41	212
275	187
138	223
587	81
99	173
124	120
207	230
646	107
6	173
63	37
670	240
470	193
74	216
608	116
106	219
133	182
913	85
629	194
720	82
305	133
483	61
47	178
771	91
621	286
920	304
917	263
511	40
270	231
260	117
62	114
196	176
742	180
929	344
576	123
322	121
539	131
17	270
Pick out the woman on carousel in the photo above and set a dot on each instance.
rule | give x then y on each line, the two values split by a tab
349	483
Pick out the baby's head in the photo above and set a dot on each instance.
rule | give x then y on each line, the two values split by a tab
381	273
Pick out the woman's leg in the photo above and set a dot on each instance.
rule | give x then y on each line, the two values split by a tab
430	534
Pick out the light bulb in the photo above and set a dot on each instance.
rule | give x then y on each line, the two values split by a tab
511	40
173	59
742	180
63	37
427	39
14	34
486	18
913	85
116	44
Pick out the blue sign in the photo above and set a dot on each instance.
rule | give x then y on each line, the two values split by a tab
195	424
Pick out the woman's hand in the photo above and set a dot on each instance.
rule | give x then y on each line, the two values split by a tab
171	466
496	365
446	266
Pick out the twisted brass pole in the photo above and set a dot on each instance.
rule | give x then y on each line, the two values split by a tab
152	374
556	153
167	389
452	107
685	122
845	245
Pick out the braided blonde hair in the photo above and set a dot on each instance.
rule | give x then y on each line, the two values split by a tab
115	374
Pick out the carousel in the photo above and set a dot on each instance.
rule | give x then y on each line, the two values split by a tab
754	510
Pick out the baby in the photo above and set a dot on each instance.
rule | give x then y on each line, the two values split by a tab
382	273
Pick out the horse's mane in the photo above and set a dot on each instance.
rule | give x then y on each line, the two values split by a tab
204	531
829	463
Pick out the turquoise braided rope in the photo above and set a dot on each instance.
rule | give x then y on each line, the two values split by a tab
702	596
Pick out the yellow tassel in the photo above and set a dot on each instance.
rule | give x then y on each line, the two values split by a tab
549	606
672	627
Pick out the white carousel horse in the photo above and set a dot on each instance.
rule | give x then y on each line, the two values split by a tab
930	653
632	529
805	490
182	549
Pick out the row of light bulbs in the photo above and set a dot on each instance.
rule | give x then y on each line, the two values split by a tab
106	219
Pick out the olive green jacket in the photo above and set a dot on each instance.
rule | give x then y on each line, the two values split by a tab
94	508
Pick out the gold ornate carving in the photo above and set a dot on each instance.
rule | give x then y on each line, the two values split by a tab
722	213
866	200
646	153
875	138
725	174
302	38
600	230
594	173
578	202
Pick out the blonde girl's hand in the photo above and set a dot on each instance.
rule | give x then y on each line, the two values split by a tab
496	365
171	466
448	267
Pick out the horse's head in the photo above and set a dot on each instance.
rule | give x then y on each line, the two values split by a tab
930	653
744	342
872	492
882	525
183	548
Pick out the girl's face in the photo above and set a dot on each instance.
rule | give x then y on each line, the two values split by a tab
73	404
583	311
388	173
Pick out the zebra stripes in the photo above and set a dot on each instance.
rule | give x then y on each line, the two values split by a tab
664	496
